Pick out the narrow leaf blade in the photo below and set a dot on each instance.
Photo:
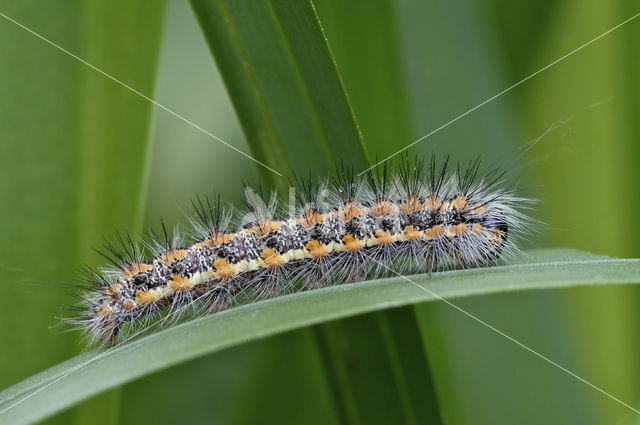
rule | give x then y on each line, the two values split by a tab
56	389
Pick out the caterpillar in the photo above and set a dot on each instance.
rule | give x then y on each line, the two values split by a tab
415	217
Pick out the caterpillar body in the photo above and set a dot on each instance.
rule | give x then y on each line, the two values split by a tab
415	218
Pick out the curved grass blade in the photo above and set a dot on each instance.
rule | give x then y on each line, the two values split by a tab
51	391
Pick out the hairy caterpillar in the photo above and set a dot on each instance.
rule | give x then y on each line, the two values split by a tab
414	218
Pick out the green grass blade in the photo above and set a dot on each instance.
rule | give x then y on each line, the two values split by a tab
283	83
49	392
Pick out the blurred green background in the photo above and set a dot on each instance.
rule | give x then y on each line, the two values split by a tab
408	67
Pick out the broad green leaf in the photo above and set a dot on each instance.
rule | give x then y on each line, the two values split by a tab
73	161
97	371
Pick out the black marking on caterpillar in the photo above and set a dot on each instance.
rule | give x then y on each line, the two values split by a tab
416	218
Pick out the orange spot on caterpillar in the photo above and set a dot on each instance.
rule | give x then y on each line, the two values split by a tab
206	242
271	258
383	207
459	229
179	283
460	203
226	237
224	269
222	238
316	249
264	227
476	228
145	297
434	232
114	289
173	255
310	218
411	233
350	211
136	268
433	203
353	244
216	239
412	204
383	237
